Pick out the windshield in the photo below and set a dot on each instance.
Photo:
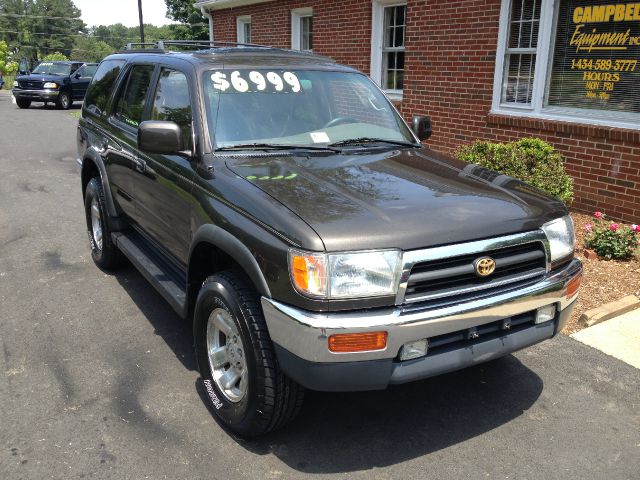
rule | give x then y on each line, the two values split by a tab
298	108
52	68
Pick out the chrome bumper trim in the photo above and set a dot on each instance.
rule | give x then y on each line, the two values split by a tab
305	333
48	94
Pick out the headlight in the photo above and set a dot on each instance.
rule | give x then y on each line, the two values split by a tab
346	275
15	83
561	238
50	85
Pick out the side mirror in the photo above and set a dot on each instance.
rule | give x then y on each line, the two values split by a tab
163	138
421	126
77	76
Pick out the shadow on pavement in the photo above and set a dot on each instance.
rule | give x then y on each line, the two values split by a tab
176	332
359	431
345	432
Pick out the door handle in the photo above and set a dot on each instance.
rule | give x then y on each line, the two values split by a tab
139	165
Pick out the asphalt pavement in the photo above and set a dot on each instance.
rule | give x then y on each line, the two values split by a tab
98	378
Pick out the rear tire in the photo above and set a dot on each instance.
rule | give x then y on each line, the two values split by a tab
23	102
64	101
104	252
267	400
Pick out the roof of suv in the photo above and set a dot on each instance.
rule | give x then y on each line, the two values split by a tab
250	56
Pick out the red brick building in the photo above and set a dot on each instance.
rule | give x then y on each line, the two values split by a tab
567	71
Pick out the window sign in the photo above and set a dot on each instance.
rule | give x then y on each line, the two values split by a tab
596	56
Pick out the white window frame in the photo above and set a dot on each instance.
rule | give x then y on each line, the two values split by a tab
377	40
240	23
544	62
297	15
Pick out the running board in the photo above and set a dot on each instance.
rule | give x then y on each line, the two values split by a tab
163	281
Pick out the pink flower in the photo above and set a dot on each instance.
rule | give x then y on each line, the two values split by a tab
614	227
598	215
635	228
588	228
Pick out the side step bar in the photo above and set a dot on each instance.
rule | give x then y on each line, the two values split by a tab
153	271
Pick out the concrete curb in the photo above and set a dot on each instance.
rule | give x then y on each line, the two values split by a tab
609	310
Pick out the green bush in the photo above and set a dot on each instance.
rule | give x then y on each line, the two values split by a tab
530	160
612	240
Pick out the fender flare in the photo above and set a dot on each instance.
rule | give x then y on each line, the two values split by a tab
92	155
233	247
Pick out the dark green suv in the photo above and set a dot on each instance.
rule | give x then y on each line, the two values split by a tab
279	201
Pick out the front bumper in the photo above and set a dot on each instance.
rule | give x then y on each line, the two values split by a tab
36	95
301	337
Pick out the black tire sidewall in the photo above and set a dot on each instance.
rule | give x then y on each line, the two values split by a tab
239	416
22	103
109	256
60	104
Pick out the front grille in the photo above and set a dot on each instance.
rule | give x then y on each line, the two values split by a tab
453	280
31	84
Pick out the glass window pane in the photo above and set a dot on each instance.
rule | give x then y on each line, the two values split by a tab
130	106
172	102
519	82
306	33
604	78
100	90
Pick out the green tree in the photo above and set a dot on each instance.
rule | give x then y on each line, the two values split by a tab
193	25
55	57
35	28
90	49
7	65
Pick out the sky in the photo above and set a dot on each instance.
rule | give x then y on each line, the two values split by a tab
107	12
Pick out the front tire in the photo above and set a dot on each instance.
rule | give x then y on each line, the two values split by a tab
239	371
64	101
104	252
23	102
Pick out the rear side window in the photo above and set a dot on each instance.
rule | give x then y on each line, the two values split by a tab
131	102
172	103
100	89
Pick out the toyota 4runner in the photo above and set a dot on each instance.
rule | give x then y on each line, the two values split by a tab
280	201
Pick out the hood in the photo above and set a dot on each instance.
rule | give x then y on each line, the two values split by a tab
405	199
39	77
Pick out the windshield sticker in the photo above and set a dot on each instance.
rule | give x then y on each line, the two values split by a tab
254	81
319	137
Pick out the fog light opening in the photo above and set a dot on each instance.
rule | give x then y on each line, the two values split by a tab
546	313
416	349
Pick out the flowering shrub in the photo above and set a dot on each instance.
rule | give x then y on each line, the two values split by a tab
612	240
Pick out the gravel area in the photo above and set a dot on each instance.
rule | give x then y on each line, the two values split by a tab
604	280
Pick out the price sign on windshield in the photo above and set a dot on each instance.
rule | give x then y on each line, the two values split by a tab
254	81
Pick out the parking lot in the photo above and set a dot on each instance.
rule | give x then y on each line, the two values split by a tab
98	379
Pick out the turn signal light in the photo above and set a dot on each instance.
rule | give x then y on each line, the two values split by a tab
573	285
357	342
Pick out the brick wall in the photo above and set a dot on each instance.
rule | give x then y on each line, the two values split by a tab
450	61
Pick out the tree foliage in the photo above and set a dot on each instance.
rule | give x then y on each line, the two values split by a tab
36	28
7	64
33	29
193	25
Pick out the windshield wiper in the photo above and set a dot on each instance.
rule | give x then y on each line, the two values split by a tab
272	146
365	140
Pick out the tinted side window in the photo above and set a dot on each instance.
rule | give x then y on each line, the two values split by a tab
131	102
87	71
172	103
101	86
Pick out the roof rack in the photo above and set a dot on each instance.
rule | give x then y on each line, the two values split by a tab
161	45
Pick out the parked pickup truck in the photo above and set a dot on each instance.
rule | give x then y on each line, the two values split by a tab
279	202
60	83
